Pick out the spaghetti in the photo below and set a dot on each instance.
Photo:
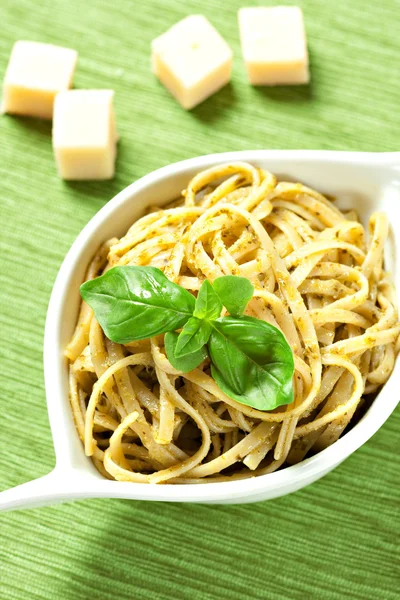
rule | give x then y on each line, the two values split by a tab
316	278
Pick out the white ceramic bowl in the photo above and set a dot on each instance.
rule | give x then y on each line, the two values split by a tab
366	182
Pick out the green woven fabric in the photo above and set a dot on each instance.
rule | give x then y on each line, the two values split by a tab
338	538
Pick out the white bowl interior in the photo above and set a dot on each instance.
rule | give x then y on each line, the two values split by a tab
366	182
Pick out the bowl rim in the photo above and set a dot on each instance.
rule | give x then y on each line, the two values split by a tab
306	470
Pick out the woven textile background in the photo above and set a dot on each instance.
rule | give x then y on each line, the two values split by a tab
339	538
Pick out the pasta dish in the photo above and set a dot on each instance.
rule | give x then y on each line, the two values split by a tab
318	284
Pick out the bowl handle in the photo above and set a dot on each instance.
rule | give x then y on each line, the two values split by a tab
49	489
390	159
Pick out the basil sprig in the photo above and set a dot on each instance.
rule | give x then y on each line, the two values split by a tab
135	303
234	294
208	305
251	360
184	363
193	336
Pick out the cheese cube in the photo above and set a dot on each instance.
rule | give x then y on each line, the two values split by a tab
35	74
192	60
274	45
84	134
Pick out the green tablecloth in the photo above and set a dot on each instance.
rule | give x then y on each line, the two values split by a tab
338	538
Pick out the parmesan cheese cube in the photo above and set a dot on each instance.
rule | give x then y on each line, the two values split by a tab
274	45
192	60
35	74
84	134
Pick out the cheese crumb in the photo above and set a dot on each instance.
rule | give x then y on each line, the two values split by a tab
192	60
274	45
36	72
84	134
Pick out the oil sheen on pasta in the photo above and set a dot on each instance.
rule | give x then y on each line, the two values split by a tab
317	275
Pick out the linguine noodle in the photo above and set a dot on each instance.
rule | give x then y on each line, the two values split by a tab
316	277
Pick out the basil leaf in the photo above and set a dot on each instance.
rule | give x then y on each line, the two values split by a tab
134	303
234	293
208	305
252	362
193	336
185	363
